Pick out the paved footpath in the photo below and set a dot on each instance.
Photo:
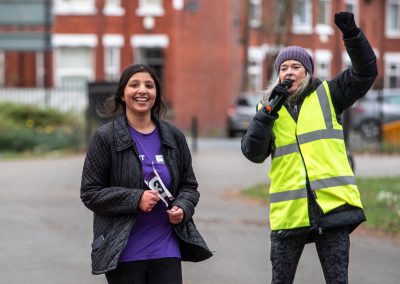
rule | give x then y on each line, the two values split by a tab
46	231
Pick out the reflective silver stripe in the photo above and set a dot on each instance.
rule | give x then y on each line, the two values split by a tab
284	150
288	195
308	137
325	107
315	185
333	181
320	134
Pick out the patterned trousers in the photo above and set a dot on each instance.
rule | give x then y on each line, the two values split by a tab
333	252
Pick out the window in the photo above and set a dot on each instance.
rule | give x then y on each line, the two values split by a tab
302	17
150	8
2	73
392	70
254	70
323	27
352	6
74	66
79	7
324	13
255	10
254	73
112	62
323	70
280	26
149	49
323	59
74	60
393	18
40	69
153	57
112	55
113	8
393	76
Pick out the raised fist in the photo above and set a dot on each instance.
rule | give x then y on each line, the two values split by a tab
345	22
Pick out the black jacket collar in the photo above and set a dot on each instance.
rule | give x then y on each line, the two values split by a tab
123	138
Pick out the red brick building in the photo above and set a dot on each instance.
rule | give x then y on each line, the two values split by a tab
310	24
199	47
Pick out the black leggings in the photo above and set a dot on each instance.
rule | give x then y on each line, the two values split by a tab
153	271
333	252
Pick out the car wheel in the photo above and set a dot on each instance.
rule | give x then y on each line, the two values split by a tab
370	130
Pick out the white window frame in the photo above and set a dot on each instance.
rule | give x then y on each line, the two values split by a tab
323	57
73	40
299	27
178	4
75	7
2	68
40	69
324	29
256	57
113	8
390	31
391	58
154	40
354	5
354	8
326	18
150	8
256	19
114	42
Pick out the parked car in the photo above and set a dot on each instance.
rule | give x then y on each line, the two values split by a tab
241	113
377	108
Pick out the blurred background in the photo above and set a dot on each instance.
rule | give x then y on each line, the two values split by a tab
60	59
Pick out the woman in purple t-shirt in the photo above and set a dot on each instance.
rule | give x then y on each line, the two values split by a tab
139	182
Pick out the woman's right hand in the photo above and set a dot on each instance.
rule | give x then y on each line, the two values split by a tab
148	200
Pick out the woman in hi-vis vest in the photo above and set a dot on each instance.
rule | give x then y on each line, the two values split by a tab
313	195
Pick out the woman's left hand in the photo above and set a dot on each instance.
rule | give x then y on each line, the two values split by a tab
175	215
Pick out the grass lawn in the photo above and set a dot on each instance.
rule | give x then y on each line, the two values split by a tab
380	198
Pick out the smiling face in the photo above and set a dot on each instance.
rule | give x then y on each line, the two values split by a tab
293	70
140	94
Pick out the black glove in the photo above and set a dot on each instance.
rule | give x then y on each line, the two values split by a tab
280	94
345	22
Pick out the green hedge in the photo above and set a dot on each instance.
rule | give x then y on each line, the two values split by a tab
29	128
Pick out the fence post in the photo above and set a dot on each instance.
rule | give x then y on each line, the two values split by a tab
194	130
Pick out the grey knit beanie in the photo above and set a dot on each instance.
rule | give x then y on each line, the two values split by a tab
295	53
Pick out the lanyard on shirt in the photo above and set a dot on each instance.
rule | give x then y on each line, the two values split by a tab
154	182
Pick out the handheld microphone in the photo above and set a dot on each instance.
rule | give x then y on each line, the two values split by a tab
287	84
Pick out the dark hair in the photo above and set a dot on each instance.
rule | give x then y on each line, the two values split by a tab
114	105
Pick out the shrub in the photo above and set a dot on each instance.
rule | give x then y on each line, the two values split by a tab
30	128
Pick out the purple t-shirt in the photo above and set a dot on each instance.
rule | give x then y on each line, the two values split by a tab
152	235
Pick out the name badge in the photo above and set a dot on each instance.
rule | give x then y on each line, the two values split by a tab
160	159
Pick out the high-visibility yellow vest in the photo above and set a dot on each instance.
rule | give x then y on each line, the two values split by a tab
313	147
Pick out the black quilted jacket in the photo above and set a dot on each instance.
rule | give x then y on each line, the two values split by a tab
112	184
